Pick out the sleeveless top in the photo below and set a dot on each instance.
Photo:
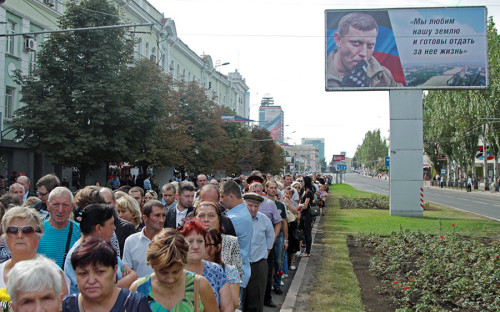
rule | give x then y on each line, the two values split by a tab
185	305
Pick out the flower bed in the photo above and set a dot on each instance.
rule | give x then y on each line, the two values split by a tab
424	272
374	202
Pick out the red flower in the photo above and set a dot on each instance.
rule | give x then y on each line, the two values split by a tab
395	282
453	224
406	288
442	236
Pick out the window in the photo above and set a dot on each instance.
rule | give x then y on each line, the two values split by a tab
147	49
9	102
11	40
153	55
172	68
178	71
33	61
139	48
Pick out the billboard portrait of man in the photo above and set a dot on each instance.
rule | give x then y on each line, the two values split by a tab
416	48
352	63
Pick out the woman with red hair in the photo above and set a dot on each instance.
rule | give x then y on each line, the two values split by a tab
195	232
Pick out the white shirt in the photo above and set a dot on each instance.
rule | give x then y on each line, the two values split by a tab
134	253
179	215
295	196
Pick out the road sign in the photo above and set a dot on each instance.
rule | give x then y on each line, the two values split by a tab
338	157
387	161
443	171
341	167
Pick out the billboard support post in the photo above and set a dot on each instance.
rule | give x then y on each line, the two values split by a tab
406	146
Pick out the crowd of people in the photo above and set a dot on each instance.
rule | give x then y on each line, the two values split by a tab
206	245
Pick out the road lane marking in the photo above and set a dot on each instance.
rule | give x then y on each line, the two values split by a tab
475	201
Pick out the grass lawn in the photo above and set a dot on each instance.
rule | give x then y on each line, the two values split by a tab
337	288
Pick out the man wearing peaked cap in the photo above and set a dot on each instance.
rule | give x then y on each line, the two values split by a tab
261	243
254	178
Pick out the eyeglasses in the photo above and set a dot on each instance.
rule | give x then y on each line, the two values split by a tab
41	194
27	230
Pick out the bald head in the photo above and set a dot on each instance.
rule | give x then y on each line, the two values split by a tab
210	192
109	196
201	180
25	182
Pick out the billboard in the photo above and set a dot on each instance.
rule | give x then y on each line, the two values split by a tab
338	157
271	119
417	48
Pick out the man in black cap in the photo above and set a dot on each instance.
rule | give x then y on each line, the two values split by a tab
261	244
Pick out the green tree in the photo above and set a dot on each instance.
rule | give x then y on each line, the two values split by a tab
372	151
77	112
238	154
267	155
454	121
322	165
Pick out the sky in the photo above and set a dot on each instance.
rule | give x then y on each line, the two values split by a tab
278	47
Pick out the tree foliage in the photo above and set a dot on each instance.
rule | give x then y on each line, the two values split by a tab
77	110
267	155
89	103
372	151
456	121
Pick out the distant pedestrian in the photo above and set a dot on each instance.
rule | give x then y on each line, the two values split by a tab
469	184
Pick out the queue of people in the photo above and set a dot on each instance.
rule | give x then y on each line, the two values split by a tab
217	246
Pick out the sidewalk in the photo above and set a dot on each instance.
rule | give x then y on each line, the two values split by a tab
293	283
429	184
434	185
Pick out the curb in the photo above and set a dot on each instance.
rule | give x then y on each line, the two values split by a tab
291	295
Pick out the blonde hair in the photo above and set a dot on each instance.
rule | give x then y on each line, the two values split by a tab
167	248
29	214
129	203
31	201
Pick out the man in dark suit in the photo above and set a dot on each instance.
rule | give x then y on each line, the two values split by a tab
26	183
185	198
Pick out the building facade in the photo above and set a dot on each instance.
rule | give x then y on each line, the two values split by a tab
304	157
319	143
158	43
272	118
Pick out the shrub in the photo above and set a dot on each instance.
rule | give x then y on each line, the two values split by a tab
425	272
376	201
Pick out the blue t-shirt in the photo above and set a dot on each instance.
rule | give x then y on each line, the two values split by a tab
53	243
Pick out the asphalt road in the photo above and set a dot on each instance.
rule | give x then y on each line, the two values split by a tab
480	202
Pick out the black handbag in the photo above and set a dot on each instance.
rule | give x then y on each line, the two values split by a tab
314	211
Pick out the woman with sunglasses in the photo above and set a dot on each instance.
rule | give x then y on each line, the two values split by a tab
23	229
150	195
